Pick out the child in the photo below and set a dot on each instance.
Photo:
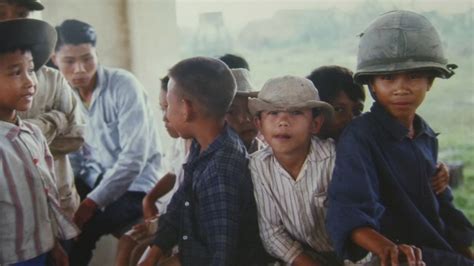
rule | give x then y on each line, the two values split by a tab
134	242
212	216
337	87
32	222
380	198
290	175
238	116
55	111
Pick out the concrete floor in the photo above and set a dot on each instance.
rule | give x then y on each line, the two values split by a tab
104	254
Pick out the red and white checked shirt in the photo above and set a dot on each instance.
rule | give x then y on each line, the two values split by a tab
30	217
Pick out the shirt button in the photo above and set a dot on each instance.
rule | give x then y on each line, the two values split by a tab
186	203
185	237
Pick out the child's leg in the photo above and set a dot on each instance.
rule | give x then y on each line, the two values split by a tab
124	211
37	261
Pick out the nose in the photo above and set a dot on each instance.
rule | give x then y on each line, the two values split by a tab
402	86
283	119
30	80
79	67
245	116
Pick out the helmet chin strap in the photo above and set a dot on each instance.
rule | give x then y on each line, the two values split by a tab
371	90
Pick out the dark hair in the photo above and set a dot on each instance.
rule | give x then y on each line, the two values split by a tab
75	32
164	83
234	61
11	49
208	81
331	80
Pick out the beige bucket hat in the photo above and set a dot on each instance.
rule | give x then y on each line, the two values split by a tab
289	93
244	85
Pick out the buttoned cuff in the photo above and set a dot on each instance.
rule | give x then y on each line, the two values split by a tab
295	250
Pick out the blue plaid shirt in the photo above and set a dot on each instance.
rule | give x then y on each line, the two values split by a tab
212	216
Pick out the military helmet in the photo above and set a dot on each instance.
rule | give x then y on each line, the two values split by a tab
399	41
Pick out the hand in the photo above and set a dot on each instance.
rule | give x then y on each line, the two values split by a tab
85	212
149	209
441	180
304	260
59	256
151	256
394	254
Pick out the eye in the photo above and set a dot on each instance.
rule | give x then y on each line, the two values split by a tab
296	112
387	77
416	75
272	113
22	14
339	109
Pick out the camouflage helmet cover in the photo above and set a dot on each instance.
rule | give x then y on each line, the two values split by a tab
399	41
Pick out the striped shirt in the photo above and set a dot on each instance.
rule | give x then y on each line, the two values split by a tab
31	216
291	213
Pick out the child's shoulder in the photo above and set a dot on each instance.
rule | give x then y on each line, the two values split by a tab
322	149
261	155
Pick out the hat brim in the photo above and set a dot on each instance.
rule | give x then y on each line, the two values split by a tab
31	4
257	105
36	35
442	70
252	94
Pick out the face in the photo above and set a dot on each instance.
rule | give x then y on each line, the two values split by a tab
240	119
12	11
345	109
286	132
18	81
177	111
402	93
78	64
164	107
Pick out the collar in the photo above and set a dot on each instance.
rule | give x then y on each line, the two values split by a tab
221	140
11	130
395	128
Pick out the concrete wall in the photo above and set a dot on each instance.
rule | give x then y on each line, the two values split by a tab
138	35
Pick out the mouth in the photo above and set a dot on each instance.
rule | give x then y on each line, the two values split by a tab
282	137
79	80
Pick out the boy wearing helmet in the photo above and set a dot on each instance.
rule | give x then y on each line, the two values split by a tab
380	199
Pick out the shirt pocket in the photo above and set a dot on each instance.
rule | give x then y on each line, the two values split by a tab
320	200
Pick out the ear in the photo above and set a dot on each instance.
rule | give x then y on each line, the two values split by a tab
317	124
430	82
54	59
187	110
257	122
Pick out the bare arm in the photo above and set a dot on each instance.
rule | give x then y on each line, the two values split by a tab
164	185
386	250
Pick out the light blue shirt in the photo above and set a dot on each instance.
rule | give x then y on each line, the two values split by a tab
122	134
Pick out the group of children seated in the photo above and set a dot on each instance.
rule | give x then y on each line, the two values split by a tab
293	174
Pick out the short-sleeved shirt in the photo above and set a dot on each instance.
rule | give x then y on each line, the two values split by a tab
382	180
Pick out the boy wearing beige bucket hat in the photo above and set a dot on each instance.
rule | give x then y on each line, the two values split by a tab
291	174
32	221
